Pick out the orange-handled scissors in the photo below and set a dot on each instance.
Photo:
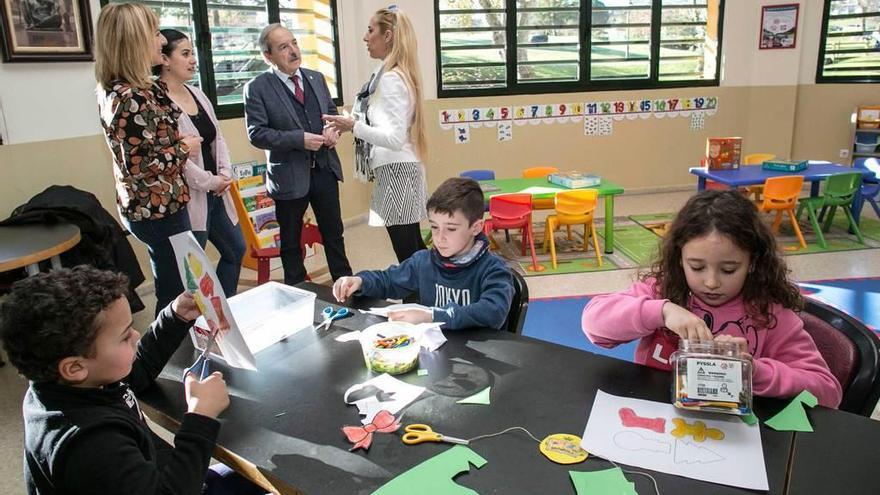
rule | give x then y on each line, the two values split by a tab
419	433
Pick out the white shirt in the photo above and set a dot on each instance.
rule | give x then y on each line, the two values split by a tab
391	116
285	78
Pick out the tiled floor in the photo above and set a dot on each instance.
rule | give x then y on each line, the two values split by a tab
369	248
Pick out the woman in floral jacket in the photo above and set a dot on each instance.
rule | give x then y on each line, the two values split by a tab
140	126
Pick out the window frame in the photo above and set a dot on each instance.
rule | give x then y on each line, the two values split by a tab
820	63
584	84
202	44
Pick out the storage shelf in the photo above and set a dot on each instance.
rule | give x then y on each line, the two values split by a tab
855	131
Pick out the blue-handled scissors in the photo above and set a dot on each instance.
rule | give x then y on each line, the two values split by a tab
200	368
419	433
330	315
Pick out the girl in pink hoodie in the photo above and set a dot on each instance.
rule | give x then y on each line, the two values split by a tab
719	277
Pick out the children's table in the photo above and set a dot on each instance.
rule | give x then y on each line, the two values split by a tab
539	188
27	245
282	428
749	175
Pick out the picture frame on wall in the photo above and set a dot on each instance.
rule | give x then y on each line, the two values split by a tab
46	30
778	26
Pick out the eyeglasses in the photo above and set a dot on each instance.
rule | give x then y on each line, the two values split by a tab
392	8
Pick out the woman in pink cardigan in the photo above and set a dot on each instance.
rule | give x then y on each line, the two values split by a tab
211	210
719	277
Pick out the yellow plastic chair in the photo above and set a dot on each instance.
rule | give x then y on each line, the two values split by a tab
540	173
781	195
573	208
757	159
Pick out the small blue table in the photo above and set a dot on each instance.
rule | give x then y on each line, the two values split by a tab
748	175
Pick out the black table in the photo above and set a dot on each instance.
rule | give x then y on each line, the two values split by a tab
842	455
543	387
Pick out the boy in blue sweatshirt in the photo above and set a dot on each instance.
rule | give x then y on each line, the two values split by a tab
462	283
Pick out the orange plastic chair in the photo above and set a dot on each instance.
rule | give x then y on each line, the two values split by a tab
781	195
513	211
756	159
540	173
575	207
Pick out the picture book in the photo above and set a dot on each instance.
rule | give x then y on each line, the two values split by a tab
265	221
243	169
257	201
723	153
249	174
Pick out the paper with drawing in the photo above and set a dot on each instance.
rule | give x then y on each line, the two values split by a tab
382	392
715	448
199	278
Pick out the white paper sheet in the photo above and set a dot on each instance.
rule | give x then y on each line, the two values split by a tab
348	336
200	279
384	310
736	460
430	336
392	396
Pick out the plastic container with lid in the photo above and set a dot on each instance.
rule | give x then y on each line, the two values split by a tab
390	347
712	377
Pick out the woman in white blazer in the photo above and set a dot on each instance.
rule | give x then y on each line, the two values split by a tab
389	131
209	176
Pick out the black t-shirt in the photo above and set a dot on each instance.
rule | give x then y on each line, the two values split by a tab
208	133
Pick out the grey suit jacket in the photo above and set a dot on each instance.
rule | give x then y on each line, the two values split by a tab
273	125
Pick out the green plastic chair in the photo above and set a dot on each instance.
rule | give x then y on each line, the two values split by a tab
839	191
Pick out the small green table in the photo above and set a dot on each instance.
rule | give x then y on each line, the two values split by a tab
541	189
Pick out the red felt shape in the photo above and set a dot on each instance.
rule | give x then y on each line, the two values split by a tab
630	419
362	436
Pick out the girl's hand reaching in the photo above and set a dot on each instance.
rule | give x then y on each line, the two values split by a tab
685	324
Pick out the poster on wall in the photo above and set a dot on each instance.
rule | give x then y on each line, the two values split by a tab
778	26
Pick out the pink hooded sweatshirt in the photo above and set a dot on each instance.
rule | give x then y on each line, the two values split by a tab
785	357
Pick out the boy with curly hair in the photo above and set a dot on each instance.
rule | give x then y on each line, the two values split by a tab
70	333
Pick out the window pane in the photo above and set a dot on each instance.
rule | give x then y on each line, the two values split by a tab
311	21
620	39
852	39
175	14
688	39
548	40
235	27
473	44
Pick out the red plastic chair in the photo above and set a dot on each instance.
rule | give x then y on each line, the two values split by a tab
513	211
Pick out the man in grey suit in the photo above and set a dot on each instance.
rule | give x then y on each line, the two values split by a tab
283	108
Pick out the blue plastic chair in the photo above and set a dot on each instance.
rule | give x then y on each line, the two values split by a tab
870	187
478	174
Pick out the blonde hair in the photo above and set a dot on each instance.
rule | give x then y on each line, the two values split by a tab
403	58
124	44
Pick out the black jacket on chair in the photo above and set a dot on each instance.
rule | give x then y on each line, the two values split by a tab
103	243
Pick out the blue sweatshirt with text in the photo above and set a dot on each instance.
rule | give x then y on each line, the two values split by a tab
474	290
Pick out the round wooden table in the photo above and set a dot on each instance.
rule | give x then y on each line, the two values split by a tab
27	245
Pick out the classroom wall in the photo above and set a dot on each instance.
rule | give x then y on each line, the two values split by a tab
766	96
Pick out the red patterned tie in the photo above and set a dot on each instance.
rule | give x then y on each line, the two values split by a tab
297	90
